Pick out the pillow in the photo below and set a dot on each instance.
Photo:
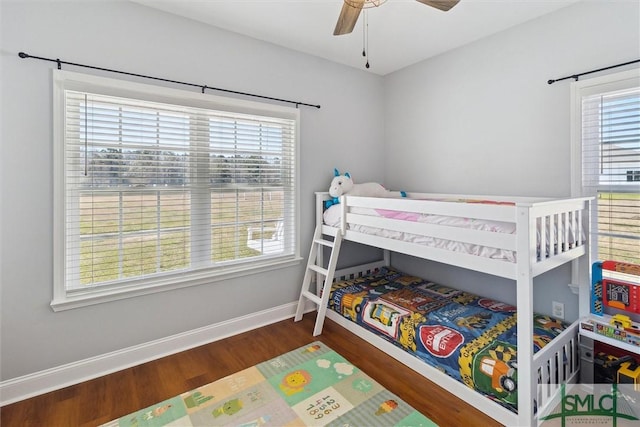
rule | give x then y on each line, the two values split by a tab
332	216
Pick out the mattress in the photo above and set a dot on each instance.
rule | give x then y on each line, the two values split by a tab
332	217
468	337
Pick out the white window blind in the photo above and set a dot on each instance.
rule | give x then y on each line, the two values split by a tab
157	191
611	167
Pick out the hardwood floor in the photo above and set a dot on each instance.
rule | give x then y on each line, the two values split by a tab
97	401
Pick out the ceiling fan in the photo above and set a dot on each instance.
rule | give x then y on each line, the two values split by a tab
351	11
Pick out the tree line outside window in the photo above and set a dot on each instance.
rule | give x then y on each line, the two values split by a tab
113	167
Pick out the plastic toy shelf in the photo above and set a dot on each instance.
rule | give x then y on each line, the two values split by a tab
615	305
598	329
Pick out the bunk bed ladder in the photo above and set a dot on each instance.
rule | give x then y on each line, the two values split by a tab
324	277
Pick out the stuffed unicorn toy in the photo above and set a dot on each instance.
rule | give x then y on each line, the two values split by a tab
343	185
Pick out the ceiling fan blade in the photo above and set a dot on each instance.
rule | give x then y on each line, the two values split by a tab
348	17
444	5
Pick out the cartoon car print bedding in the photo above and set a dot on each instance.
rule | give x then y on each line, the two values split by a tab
470	338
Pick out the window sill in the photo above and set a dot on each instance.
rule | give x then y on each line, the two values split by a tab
73	300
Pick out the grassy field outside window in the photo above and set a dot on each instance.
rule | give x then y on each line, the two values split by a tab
128	235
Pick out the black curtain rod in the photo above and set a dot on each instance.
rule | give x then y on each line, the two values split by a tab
576	76
203	87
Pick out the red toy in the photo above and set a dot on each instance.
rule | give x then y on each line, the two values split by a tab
615	293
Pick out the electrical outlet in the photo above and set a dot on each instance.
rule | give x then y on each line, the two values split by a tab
557	310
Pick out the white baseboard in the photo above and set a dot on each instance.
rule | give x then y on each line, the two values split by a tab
30	385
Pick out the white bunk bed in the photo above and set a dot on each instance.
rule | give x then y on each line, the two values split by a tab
547	233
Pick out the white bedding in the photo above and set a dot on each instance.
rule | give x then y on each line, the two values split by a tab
331	217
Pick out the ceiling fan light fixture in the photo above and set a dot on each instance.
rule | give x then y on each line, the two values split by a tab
364	5
351	11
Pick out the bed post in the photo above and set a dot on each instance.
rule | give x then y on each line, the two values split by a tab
343	214
581	267
321	196
526	256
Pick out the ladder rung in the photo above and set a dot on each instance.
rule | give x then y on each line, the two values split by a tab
324	242
319	269
313	297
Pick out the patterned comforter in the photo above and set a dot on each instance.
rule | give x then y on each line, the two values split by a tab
470	338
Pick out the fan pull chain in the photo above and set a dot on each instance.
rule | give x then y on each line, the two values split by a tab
365	37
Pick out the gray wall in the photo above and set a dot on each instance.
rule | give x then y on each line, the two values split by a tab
475	120
127	36
483	120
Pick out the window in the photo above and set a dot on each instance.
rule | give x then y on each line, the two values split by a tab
607	132
158	188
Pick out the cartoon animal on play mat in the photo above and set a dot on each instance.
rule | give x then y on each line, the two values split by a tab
294	382
229	407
